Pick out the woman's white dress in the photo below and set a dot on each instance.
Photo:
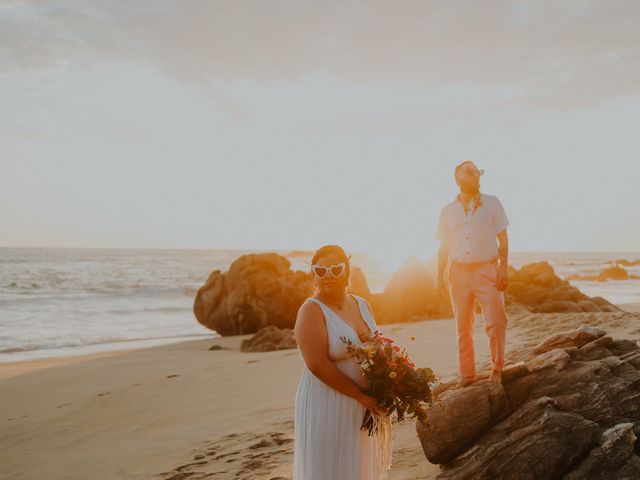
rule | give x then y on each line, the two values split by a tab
329	444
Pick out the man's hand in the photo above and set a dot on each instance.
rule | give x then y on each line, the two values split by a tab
503	277
442	288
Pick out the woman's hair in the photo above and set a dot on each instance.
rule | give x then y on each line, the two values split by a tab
339	252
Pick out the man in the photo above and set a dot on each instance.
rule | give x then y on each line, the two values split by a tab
473	235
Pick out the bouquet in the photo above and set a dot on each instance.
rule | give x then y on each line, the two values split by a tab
394	380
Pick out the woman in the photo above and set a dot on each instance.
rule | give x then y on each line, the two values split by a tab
330	403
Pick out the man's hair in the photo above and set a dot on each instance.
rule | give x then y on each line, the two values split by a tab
459	166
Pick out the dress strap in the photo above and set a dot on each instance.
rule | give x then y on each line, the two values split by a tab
366	314
323	307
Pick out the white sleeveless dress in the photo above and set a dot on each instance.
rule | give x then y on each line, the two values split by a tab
329	444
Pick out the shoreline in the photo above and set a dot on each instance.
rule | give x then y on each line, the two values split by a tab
14	368
96	348
630	307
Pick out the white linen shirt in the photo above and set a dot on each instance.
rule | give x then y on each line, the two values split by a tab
472	237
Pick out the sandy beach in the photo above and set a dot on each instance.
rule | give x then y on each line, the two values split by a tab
183	411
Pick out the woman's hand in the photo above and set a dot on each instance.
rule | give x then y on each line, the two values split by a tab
370	403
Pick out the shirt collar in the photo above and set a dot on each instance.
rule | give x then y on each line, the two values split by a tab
455	199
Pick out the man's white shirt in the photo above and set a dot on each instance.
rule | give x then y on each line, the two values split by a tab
472	237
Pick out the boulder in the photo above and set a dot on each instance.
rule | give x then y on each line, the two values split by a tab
616	272
257	290
358	283
410	295
574	338
626	263
261	289
613	458
268	339
537	287
613	273
569	410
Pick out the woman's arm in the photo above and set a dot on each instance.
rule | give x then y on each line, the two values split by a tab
310	332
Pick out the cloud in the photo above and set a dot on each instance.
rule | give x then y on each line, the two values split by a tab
551	54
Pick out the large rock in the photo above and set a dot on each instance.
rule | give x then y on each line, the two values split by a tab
626	263
410	295
358	283
261	289
570	409
268	339
258	290
615	272
537	287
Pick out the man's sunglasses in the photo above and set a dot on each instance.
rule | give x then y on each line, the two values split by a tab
473	173
336	270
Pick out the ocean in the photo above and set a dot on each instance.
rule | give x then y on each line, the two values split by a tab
64	301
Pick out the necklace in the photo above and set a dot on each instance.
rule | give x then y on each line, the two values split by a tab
339	306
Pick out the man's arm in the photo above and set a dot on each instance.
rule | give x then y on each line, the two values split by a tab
503	257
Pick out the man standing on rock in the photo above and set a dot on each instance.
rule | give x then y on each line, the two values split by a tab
473	235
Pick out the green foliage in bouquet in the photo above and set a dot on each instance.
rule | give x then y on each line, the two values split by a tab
394	380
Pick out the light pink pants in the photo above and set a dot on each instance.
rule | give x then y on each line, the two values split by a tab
465	286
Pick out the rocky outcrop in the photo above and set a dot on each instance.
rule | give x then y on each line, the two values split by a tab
568	408
537	287
261	289
626	263
358	283
410	295
268	339
258	290
610	273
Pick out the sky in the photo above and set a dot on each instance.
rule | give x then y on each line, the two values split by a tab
292	124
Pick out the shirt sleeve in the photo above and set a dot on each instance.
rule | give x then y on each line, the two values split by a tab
500	220
442	233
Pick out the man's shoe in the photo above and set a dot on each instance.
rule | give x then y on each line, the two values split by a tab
464	381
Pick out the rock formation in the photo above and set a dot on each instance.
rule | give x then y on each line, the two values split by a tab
410	295
569	408
258	290
268	339
615	272
537	287
261	289
626	263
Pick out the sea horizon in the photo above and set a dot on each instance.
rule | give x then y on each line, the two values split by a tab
66	301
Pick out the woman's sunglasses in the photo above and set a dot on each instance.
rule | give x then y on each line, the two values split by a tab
321	271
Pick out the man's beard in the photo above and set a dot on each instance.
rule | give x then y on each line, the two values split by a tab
470	189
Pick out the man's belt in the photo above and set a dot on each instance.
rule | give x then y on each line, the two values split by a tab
473	265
